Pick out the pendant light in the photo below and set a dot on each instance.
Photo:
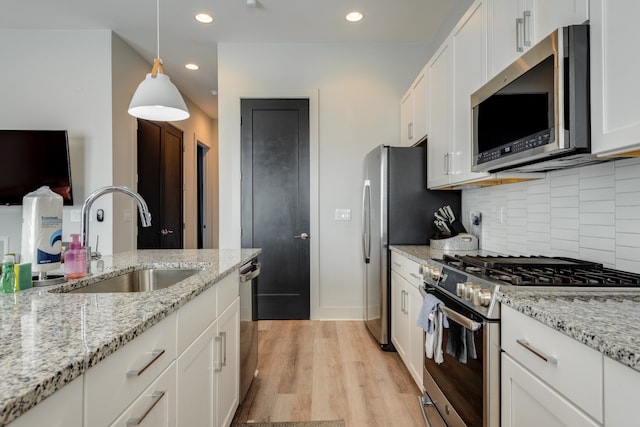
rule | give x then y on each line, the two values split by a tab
156	97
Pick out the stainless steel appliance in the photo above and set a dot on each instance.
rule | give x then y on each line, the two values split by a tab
248	325
468	394
534	115
397	209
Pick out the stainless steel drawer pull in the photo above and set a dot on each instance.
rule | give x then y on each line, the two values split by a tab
549	359
220	365
155	354
415	276
251	273
224	352
156	396
460	319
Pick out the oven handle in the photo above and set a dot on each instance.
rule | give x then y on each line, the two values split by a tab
460	319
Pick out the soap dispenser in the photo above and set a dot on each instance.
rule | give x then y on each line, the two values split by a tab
75	259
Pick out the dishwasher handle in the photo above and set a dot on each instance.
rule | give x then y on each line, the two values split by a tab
250	273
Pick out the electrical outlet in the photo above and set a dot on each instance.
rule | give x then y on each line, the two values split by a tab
342	215
475	223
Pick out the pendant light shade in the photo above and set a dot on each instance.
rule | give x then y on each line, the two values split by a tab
156	97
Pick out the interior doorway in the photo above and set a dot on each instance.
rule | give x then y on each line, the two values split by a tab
160	183
202	174
276	202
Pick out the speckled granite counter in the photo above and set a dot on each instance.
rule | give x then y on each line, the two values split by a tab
604	320
47	339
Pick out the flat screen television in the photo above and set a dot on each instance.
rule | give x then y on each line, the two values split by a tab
31	159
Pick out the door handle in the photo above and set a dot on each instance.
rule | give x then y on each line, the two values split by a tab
165	231
302	236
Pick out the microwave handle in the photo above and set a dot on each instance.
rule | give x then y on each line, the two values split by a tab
519	34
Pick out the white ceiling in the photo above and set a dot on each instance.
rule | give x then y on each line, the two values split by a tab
184	40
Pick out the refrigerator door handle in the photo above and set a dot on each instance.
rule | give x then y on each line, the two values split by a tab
366	221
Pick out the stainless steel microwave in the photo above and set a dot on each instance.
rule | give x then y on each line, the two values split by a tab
534	115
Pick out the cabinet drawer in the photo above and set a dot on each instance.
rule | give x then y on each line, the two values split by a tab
156	406
407	268
571	368
195	316
115	382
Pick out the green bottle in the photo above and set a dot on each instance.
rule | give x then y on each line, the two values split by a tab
8	275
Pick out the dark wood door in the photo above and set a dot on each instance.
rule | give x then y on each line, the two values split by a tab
275	202
160	184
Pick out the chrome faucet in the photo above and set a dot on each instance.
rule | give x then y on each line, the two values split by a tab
145	216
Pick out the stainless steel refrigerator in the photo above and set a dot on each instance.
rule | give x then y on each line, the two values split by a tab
397	209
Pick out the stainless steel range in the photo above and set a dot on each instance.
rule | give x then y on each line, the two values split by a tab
465	387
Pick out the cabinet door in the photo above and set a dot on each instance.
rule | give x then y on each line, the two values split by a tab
419	107
196	393
470	72
621	385
398	314
156	406
62	409
505	45
415	335
440	109
552	14
529	402
615	110
228	364
406	119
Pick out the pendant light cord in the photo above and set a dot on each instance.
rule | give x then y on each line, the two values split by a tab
158	28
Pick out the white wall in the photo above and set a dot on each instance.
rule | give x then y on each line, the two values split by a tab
590	213
354	93
82	81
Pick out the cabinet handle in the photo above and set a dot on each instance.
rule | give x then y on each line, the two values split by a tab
397	264
155	354
410	130
526	24
519	34
415	276
156	396
446	164
549	359
219	368
224	352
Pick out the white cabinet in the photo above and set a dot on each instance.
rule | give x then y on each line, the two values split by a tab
406	302
61	409
516	25
615	111
621	385
208	369
116	382
457	69
413	112
156	406
547	374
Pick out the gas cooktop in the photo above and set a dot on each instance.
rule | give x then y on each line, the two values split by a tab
542	271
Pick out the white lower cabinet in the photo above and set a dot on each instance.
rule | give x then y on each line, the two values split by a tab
156	406
547	378
621	385
406	302
61	409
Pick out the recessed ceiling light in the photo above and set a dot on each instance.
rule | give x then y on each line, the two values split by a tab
204	18
354	16
192	66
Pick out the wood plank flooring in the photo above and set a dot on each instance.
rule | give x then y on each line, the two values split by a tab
327	370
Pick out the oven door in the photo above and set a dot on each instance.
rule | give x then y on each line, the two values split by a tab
465	387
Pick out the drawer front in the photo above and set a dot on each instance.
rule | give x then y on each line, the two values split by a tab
195	316
156	406
228	290
115	382
407	268
571	368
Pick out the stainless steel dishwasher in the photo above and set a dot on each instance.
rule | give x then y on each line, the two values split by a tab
248	325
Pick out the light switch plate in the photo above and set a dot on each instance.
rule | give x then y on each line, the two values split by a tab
74	215
343	215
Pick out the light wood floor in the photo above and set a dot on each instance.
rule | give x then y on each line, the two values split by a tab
325	370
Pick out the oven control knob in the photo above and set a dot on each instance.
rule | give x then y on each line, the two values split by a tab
469	290
435	274
460	286
482	297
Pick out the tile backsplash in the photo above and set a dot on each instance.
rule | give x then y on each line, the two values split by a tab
591	212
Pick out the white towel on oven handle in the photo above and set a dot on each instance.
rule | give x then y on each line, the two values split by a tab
432	320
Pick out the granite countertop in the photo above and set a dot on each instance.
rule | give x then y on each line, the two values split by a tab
604	320
47	339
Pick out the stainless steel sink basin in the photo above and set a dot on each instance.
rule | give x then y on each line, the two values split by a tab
149	279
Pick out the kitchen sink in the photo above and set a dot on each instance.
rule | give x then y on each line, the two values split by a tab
145	280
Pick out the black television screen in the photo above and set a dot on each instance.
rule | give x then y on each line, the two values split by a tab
33	158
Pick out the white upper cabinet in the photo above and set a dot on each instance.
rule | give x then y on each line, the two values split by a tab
518	24
413	112
456	71
615	111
